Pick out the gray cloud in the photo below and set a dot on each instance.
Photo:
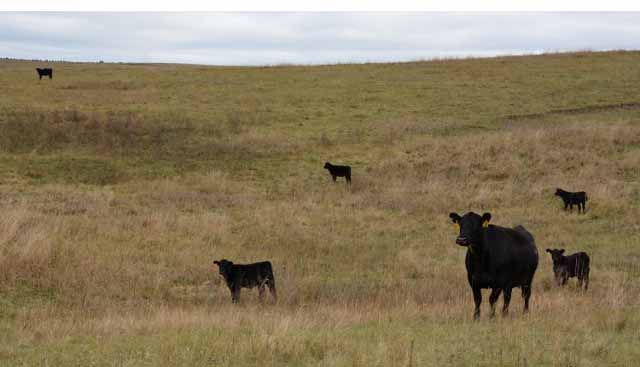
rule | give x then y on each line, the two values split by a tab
306	38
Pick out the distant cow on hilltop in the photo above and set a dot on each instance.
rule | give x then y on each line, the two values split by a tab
44	72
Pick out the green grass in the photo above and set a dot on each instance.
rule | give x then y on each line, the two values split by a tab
120	184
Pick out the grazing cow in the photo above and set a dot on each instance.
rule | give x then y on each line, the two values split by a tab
565	267
339	171
573	198
44	72
497	257
239	276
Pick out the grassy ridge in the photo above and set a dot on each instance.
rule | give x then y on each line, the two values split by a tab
119	184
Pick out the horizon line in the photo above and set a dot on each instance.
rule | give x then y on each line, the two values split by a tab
337	63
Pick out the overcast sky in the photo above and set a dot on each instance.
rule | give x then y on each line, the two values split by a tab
306	38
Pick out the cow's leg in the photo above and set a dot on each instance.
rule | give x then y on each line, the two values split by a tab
477	299
495	294
557	276
272	289
233	297
586	280
235	294
334	178
261	292
507	299
348	179
526	294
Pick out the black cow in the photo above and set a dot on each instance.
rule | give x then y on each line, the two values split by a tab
239	276
339	171
44	72
497	257
565	267
573	198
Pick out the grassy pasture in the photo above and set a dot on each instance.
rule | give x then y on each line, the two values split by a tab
120	184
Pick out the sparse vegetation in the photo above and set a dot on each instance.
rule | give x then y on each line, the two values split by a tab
120	184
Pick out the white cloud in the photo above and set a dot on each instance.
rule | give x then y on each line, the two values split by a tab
272	38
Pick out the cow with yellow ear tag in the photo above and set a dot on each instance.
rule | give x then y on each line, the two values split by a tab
497	257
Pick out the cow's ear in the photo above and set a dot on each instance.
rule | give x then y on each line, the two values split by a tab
486	218
216	262
561	251
548	250
455	218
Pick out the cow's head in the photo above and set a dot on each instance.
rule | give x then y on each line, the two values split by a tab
556	255
558	192
327	165
470	226
224	266
560	266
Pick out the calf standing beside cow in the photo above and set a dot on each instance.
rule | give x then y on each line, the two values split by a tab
502	258
565	267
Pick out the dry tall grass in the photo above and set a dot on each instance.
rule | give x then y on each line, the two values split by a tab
111	216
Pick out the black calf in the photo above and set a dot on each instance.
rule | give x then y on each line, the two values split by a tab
239	276
565	267
45	72
339	171
573	198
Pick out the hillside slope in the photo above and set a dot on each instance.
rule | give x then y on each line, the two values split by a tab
120	184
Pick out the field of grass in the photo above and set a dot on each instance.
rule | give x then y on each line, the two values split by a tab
121	183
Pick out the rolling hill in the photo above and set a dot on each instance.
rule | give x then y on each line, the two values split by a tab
121	183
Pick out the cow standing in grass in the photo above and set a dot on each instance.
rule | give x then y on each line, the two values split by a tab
45	72
565	267
498	258
239	276
339	171
573	198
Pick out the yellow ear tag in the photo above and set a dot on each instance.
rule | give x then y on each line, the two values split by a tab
485	224
456	225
